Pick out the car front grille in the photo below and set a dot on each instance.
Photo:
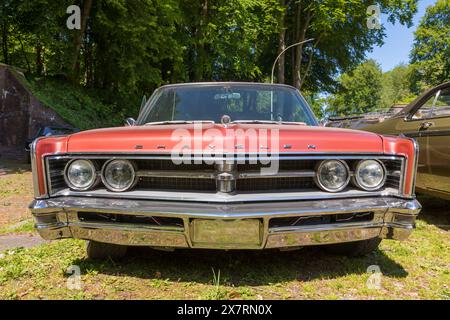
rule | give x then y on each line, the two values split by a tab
161	173
274	183
176	183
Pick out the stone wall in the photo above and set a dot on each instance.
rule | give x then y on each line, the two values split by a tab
21	114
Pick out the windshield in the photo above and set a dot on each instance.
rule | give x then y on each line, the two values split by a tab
240	102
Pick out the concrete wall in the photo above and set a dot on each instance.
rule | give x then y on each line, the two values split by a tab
21	114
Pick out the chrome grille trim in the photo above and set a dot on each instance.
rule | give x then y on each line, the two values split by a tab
296	181
280	174
176	174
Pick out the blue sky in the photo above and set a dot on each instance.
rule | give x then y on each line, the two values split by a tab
398	40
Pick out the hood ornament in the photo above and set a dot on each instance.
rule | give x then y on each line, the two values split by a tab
225	120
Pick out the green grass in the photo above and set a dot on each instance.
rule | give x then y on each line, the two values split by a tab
79	107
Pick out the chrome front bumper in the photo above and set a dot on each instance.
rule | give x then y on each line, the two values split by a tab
224	226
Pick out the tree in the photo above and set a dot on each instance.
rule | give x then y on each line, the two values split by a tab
225	39
360	91
396	86
431	49
78	39
5	21
341	37
128	48
131	45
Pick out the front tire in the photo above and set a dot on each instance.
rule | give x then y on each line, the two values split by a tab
100	251
356	248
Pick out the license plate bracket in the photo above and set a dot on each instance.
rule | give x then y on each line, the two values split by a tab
232	234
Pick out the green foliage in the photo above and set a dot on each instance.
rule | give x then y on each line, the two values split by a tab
79	107
396	86
225	39
133	45
360	91
129	48
341	37
431	50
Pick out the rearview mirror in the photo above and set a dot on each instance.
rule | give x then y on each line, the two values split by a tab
129	122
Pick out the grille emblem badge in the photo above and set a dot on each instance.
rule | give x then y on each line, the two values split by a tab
225	177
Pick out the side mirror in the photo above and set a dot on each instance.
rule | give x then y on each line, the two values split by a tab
129	122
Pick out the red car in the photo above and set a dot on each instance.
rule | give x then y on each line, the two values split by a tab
225	166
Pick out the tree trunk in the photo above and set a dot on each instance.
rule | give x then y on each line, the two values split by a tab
281	60
282	46
297	50
301	28
201	60
75	67
24	53
5	42
39	60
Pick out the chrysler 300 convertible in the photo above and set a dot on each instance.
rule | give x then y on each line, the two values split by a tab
225	166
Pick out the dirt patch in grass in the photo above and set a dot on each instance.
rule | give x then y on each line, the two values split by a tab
12	240
16	192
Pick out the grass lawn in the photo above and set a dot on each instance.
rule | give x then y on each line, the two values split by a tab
418	268
16	192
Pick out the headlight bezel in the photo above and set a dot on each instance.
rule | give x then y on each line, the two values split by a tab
320	184
356	179
129	186
95	178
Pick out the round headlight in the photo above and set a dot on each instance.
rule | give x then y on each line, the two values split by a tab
370	175
332	175
119	175
80	175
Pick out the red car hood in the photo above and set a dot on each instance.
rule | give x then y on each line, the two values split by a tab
234	138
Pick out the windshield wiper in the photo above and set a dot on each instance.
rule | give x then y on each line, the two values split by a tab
177	122
269	122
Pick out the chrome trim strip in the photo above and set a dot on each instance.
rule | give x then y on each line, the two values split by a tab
34	171
234	156
181	209
403	177
48	184
220	197
416	165
280	174
123	226
331	226
383	225
212	174
176	174
435	133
